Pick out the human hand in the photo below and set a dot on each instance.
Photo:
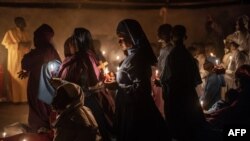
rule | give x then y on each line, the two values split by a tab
23	74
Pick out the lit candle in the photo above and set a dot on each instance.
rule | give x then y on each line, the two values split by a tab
117	68
52	67
103	52
212	55
201	102
4	134
106	71
156	73
217	62
230	62
117	57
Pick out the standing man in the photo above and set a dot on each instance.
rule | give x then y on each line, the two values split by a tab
18	43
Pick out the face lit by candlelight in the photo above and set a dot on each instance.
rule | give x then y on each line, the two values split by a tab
124	41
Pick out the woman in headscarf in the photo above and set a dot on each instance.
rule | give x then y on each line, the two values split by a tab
32	62
74	122
137	117
81	67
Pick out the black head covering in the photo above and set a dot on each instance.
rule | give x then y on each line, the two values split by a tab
132	29
180	31
164	31
43	35
82	39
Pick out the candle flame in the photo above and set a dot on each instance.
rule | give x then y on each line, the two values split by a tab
103	52
230	57
106	71
4	134
117	68
201	102
117	57
217	61
211	54
156	72
52	67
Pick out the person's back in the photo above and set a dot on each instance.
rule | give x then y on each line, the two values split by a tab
74	122
31	65
183	112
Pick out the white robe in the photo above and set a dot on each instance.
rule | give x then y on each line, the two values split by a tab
17	43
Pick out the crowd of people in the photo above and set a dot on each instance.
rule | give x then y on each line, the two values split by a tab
192	96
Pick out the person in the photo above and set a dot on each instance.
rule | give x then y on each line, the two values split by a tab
18	42
214	36
75	122
238	112
81	67
137	117
183	112
39	112
214	84
164	40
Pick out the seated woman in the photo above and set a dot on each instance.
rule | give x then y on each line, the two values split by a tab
74	122
238	112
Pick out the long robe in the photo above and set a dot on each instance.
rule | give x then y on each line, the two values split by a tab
82	70
17	87
137	117
183	112
32	62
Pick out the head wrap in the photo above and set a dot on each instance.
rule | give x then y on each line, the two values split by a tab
43	35
67	94
132	29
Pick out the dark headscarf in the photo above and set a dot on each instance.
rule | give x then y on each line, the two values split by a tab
164	31
82	39
68	43
132	29
43	36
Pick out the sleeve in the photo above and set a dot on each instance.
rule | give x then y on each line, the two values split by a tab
8	40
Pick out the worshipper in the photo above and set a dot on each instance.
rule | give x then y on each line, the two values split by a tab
214	84
75	122
164	40
81	67
214	36
32	62
183	112
230	97
18	42
238	112
137	117
241	35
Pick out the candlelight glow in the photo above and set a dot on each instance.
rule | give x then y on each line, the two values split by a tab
230	58
117	68
117	57
201	102
24	140
217	62
211	54
4	134
52	67
106	71
156	72
103	52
